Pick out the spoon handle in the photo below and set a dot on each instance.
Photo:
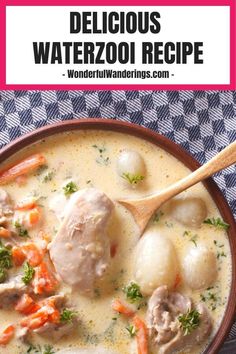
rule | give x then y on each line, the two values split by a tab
225	158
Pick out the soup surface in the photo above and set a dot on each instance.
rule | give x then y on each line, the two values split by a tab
192	257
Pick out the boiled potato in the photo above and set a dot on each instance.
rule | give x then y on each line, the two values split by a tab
199	267
156	262
190	211
130	165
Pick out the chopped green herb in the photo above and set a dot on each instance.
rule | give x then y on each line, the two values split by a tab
22	232
169	224
101	149
37	349
217	222
5	257
132	331
28	273
67	315
3	275
114	318
189	321
221	254
211	297
131	178
192	238
157	216
133	292
70	188
48	349
49	176
101	160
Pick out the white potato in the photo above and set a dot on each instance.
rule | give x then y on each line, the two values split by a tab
190	211
199	267
156	262
130	162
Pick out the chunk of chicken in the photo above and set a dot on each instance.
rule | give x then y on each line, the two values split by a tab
197	336
5	203
11	291
164	308
55	331
97	350
80	251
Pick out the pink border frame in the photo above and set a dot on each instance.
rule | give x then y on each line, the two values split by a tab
4	3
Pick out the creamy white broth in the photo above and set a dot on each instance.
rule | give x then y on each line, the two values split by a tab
72	156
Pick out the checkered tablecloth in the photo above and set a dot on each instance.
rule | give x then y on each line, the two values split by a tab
203	122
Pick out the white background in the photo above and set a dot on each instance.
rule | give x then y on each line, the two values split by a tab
27	24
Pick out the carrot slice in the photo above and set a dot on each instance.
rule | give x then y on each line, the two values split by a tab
44	281
4	233
26	305
33	254
35	320
18	256
120	307
24	167
7	335
141	336
26	204
34	216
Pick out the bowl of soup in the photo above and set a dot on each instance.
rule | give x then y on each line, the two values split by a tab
76	275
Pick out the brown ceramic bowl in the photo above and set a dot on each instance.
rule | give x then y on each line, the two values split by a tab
180	154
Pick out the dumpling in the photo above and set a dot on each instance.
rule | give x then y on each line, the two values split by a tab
199	267
156	262
131	166
190	211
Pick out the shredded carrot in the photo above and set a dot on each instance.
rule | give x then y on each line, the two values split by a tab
177	281
7	335
4	233
26	305
18	256
24	167
44	281
34	216
26	204
141	336
120	307
35	320
33	254
46	313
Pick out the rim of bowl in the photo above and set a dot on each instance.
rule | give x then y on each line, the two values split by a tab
175	150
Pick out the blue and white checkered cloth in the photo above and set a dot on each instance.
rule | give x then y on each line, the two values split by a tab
202	122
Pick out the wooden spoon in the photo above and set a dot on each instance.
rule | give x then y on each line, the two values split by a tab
142	209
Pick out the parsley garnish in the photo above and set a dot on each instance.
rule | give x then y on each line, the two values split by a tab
5	257
131	178
28	273
70	188
67	315
217	222
157	216
132	331
48	349
35	349
192	238
22	232
211	297
133	292
48	177
189	321
3	275
101	160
